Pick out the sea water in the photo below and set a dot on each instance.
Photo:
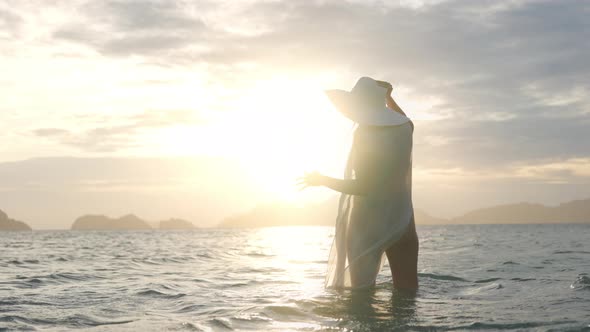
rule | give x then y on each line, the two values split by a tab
484	277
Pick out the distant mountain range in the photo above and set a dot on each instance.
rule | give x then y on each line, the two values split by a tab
524	213
8	224
324	214
175	223
127	222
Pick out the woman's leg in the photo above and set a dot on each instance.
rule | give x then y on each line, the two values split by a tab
403	259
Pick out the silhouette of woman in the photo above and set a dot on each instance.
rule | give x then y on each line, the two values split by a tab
375	213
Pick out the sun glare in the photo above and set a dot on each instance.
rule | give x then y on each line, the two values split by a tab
277	129
288	127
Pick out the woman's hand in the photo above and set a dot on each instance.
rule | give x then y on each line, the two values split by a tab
389	99
385	85
310	180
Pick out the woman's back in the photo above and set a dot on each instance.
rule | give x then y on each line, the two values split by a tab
383	157
369	224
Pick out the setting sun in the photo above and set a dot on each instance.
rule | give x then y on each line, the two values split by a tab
276	128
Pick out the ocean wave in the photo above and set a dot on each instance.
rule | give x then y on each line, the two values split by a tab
259	254
498	326
562	252
24	320
53	278
74	321
510	263
23	262
283	312
70	276
522	279
191	308
250	318
220	324
487	280
483	289
234	284
441	277
249	269
19	301
192	327
205	255
582	282
77	321
145	261
158	294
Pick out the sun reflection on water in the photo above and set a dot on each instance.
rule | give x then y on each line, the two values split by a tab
291	262
296	250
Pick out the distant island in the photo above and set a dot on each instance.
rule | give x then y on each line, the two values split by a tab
101	222
127	222
324	215
8	224
174	223
525	213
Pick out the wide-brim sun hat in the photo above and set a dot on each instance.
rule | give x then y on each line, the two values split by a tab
365	104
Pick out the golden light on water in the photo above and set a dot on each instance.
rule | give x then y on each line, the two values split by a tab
296	249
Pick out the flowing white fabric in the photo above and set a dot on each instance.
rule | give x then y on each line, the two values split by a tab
367	225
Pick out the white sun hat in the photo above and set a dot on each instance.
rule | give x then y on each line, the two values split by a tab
365	104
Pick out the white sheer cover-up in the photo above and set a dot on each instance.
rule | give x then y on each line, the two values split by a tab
367	225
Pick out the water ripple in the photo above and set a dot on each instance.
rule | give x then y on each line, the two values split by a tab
155	293
507	277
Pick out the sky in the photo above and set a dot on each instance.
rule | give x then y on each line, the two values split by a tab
203	109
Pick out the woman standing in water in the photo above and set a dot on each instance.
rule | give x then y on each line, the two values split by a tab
375	213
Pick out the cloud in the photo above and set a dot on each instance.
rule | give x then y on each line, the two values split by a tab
557	171
484	144
120	28
464	48
120	136
10	22
49	132
511	77
564	171
156	119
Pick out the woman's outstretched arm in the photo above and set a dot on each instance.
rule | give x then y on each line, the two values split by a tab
351	187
